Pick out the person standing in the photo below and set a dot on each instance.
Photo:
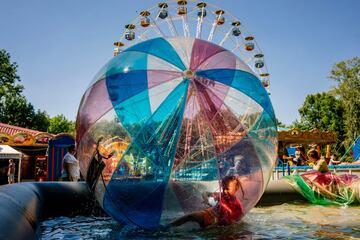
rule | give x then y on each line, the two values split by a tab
298	160
334	160
71	168
11	172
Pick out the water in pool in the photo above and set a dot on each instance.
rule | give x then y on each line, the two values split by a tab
287	221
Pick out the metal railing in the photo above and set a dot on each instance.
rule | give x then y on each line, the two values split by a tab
286	170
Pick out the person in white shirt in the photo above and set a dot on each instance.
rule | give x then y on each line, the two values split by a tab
71	168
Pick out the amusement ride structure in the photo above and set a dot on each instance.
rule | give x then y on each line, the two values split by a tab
200	20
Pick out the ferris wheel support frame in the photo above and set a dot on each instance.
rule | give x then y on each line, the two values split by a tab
234	43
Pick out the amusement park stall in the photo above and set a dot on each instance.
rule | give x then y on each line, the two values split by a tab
57	149
30	143
36	164
295	137
6	153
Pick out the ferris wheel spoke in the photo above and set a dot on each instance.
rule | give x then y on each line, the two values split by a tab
212	32
189	129
199	124
247	61
202	137
157	29
219	20
172	27
225	37
185	26
246	113
199	27
235	48
159	12
143	36
189	135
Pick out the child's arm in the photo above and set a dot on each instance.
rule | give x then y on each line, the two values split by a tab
216	196
242	189
207	195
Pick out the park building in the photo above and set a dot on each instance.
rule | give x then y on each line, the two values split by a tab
37	155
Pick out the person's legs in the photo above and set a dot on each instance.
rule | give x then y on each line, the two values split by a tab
64	179
203	218
192	217
73	179
11	178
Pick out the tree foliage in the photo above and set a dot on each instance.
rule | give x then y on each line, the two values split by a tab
17	111
59	124
279	124
109	128
322	111
9	80
339	109
347	76
14	107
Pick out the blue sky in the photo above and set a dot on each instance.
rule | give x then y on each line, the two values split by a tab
60	45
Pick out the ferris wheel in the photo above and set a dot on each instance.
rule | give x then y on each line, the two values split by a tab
200	20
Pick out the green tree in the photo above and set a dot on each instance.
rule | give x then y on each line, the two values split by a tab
14	108
16	111
280	124
110	128
324	112
41	121
59	124
9	80
347	76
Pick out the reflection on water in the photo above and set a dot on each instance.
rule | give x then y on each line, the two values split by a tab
295	221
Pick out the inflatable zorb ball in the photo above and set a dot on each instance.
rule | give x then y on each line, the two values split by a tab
177	115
